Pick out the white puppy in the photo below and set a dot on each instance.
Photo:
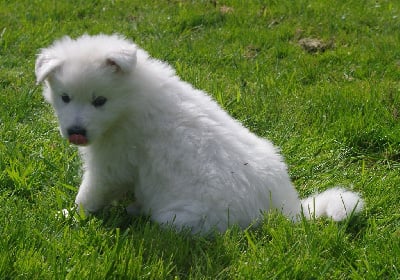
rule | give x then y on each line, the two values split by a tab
141	129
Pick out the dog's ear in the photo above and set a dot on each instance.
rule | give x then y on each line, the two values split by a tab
45	65
123	60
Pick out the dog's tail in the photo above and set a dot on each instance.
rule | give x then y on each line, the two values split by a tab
335	203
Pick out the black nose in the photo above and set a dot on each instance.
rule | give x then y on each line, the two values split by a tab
76	130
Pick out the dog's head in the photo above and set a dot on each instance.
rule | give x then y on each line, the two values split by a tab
85	81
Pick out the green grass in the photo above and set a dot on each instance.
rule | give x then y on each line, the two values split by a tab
335	114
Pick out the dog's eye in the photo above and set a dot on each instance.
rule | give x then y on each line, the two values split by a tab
65	98
99	101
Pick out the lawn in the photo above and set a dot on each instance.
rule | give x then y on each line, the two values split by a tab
321	79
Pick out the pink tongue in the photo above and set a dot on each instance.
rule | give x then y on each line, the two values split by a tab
78	139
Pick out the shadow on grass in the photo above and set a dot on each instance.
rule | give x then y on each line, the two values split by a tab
219	255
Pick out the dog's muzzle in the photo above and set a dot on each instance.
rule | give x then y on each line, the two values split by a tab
77	135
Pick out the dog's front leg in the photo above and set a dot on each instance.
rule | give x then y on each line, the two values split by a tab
93	194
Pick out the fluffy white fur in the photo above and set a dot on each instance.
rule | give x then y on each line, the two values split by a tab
186	160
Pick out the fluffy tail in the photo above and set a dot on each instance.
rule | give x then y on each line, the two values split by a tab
335	203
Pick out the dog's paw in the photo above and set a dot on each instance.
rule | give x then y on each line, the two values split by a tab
133	209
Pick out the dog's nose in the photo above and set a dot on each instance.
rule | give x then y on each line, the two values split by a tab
77	135
78	130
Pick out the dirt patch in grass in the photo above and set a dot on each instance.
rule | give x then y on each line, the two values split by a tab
314	45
